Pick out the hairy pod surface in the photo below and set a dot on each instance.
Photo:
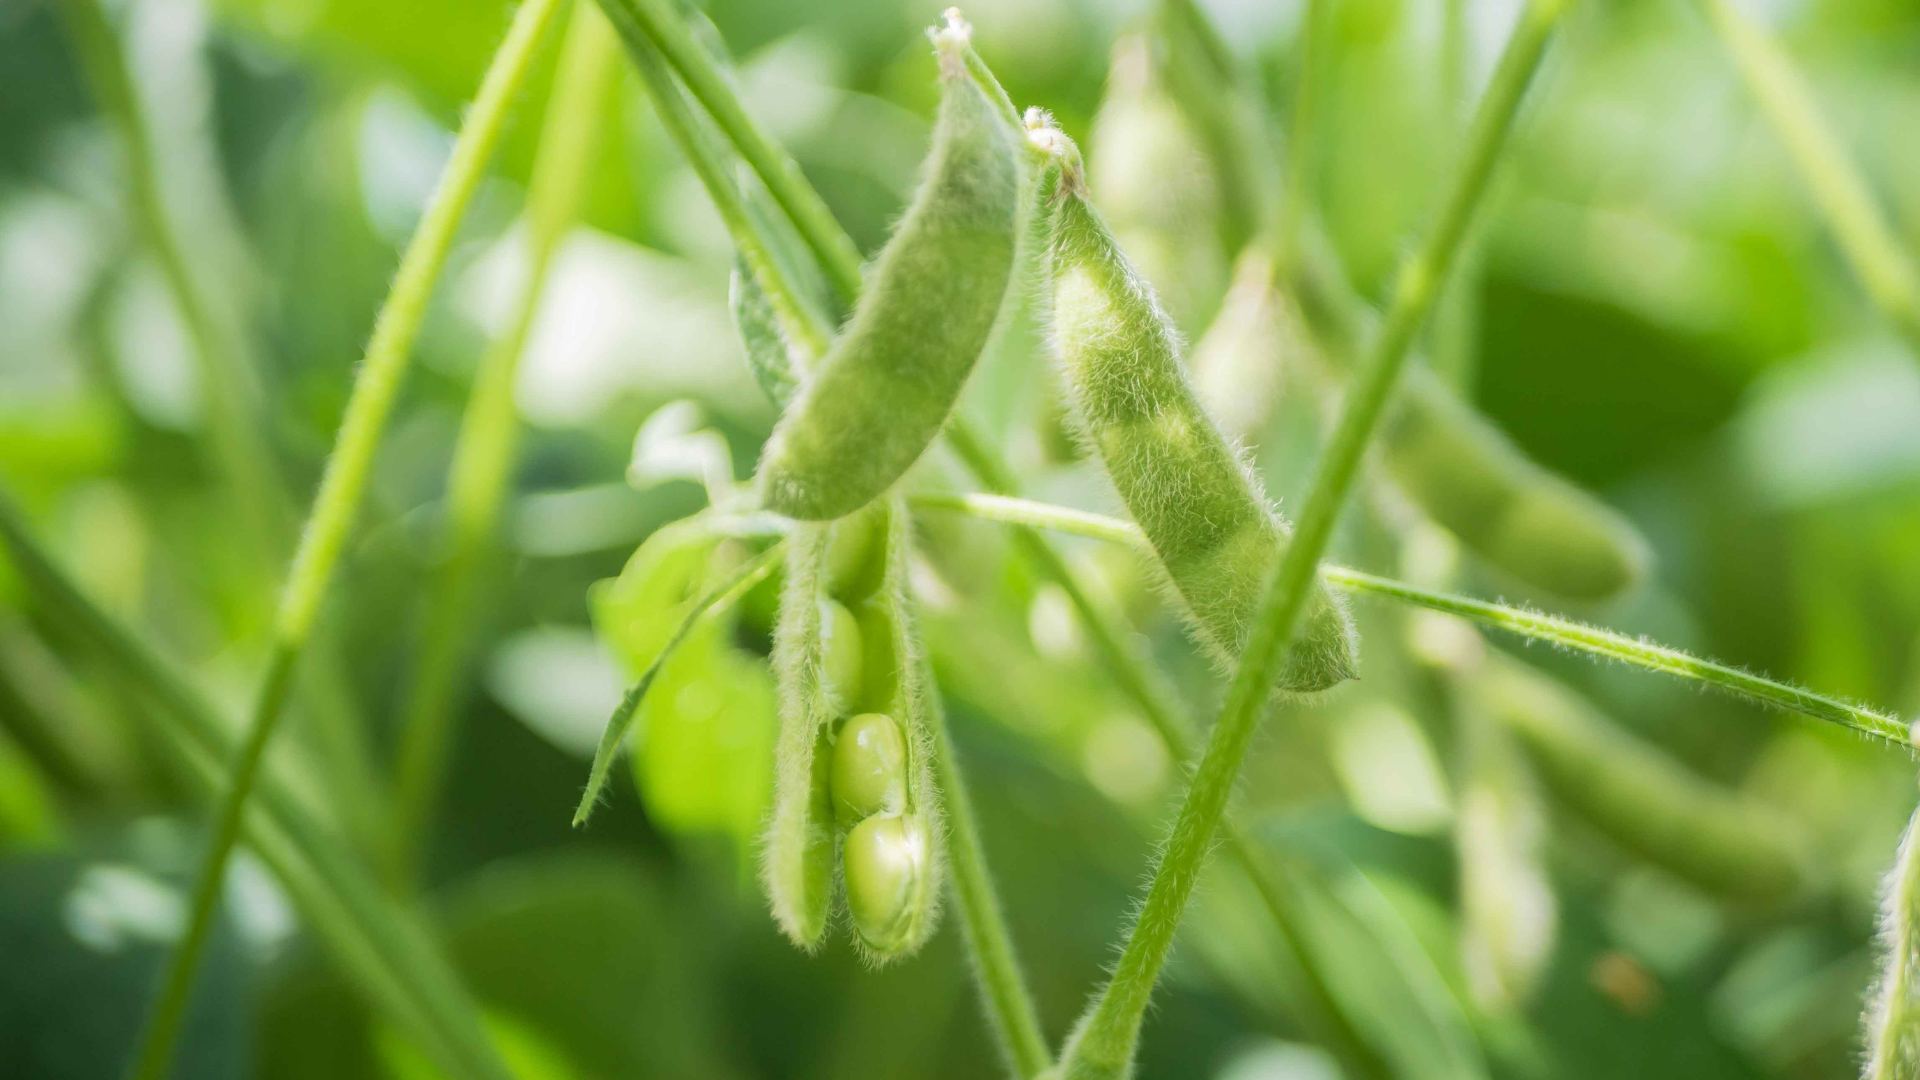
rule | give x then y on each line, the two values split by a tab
798	858
885	388
1642	800
1470	479
1196	500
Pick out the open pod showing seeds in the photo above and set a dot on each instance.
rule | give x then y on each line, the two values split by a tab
856	815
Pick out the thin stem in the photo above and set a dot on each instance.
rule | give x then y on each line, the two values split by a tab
1003	987
716	600
485	448
1104	1044
243	450
1554	630
1141	679
669	33
377	943
342	487
1839	190
1647	655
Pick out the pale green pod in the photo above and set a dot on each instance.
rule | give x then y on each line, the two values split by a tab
888	863
1893	1024
1643	801
1470	479
1196	500
1240	362
1509	916
869	768
1156	184
798	857
885	388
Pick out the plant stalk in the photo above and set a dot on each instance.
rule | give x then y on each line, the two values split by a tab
342	487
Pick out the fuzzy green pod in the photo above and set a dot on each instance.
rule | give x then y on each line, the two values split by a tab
1893	1024
1470	479
885	388
1156	184
1196	500
855	742
1642	800
896	688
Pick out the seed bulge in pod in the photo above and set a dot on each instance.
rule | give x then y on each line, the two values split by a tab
841	662
884	860
869	768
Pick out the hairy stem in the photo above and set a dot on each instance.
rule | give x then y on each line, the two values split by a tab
484	450
1838	189
1555	630
1003	987
376	942
342	487
1104	1044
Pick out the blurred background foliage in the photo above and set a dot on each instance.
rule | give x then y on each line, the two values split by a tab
1651	309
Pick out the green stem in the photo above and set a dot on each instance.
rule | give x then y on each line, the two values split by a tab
376	942
668	32
343	485
1554	630
243	450
1838	189
718	599
1104	1043
485	448
1003	987
1140	678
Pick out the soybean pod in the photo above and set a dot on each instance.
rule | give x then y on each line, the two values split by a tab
853	787
888	382
1641	800
1196	500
